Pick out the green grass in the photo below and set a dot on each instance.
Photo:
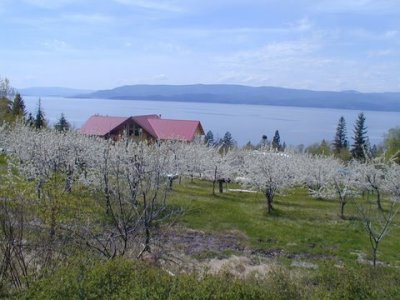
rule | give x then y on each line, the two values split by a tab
299	224
89	278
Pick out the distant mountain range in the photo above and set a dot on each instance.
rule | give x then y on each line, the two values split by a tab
239	94
52	91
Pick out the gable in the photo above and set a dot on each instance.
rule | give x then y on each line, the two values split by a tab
102	125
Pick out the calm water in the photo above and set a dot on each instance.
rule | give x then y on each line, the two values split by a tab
245	122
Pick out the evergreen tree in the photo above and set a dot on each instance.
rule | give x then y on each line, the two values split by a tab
276	141
227	141
30	121
283	146
264	139
319	149
340	142
62	124
209	138
18	106
249	146
325	147
359	147
374	151
40	121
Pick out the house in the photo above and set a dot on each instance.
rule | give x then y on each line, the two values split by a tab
146	127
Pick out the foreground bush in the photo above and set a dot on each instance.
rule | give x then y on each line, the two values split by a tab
124	279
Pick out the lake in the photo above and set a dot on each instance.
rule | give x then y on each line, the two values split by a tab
246	122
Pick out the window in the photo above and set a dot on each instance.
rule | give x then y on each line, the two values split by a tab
138	131
130	129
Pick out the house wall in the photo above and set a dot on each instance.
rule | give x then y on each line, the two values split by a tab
199	131
132	129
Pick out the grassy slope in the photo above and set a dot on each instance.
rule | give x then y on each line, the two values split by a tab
299	225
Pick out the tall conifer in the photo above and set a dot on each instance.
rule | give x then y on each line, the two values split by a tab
18	106
359	147
340	142
40	121
276	141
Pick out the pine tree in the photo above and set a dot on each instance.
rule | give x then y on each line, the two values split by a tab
62	124
30	120
18	106
340	142
249	146
283	146
227	141
325	148
264	140
276	141
209	138
40	121
359	147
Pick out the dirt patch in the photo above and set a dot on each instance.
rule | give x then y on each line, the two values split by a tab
305	255
238	266
193	242
204	253
270	253
197	251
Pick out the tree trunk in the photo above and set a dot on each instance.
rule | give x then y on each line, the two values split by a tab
68	181
378	200
147	242
342	204
269	204
170	183
221	186
213	189
269	194
374	251
215	179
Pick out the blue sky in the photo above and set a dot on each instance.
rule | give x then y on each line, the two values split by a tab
95	44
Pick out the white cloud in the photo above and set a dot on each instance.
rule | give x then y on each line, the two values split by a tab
359	6
55	45
382	52
167	6
160	77
303	24
156	79
391	34
88	18
50	4
304	64
274	50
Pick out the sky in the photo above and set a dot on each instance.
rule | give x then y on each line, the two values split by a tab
100	44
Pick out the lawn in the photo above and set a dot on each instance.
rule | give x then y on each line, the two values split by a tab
300	225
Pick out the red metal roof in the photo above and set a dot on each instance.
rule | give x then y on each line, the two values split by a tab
101	125
159	129
183	130
143	121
